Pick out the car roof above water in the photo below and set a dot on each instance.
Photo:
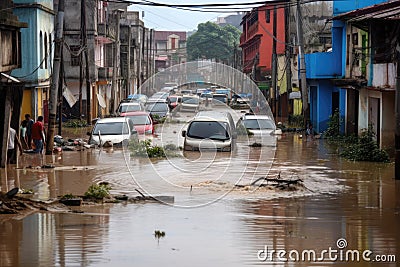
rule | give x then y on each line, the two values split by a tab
213	115
109	120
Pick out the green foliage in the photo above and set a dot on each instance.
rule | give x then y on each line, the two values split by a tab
98	191
68	196
365	148
334	122
158	118
212	41
75	123
296	120
144	148
158	234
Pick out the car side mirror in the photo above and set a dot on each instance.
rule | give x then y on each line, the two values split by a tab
183	133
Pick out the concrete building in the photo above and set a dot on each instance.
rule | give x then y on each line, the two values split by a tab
357	77
37	43
11	89
137	52
170	49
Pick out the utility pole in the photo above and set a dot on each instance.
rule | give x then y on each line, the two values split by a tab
55	79
88	85
274	75
81	61
302	63
288	60
397	114
128	82
115	61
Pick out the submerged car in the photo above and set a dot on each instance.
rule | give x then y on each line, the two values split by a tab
260	125
210	130
158	97
159	109
174	101
142	121
220	99
190	103
118	131
130	106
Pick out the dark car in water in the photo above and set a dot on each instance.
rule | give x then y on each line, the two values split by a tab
158	109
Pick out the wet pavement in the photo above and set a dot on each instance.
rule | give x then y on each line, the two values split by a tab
212	222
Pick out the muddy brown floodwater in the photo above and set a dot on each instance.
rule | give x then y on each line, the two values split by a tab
344	209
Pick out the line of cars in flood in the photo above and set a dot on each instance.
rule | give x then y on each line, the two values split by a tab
208	129
135	116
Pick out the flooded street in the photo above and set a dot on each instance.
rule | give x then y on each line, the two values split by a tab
212	222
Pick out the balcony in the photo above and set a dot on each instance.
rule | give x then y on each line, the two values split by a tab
105	33
105	73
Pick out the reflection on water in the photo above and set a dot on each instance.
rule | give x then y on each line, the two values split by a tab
355	201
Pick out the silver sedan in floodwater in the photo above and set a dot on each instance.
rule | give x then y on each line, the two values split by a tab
260	125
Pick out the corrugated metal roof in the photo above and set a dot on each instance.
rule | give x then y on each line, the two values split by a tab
387	10
163	35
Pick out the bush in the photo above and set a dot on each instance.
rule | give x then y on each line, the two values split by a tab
146	149
365	149
296	121
98	191
333	131
75	123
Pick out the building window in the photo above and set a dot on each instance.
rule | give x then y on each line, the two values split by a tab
75	57
173	46
45	51
268	16
50	49
355	38
41	49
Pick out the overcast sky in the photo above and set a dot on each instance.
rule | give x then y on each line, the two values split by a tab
164	18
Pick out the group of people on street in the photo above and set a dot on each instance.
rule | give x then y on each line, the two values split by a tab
30	132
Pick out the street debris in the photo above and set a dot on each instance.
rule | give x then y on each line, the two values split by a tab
278	183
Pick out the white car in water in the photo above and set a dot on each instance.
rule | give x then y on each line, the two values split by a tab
190	103
259	125
118	131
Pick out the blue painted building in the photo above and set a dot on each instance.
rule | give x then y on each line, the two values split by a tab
37	43
325	71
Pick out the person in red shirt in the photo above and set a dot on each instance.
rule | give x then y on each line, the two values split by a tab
38	136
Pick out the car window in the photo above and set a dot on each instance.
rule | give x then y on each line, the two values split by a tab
129	108
208	129
140	120
258	124
157	107
190	100
111	128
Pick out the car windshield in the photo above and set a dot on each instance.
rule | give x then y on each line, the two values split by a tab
111	128
190	100
258	124
128	108
220	98
208	129
204	95
173	99
157	107
140	120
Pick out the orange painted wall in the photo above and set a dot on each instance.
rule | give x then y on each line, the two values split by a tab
267	32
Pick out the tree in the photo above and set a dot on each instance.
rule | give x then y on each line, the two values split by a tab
212	41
